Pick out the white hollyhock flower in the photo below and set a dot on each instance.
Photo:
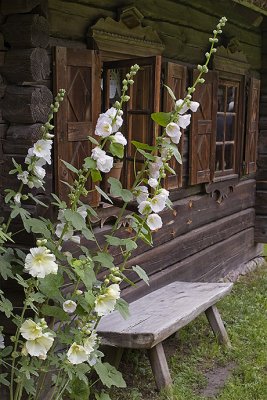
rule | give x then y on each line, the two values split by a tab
39	172
97	153
194	106
178	104
103	127
76	239
176	139
17	198
104	164
154	222
77	354
116	123
144	207
141	193
24	177
184	120
158	203
164	192
69	306
152	182
105	303
173	129
119	138
40	262
30	330
40	346
42	149
2	341
68	231
90	343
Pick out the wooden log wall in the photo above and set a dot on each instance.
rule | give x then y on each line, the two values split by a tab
25	92
261	194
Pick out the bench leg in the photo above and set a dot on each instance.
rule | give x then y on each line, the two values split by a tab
217	325
159	366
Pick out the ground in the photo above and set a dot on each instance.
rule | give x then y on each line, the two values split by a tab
200	368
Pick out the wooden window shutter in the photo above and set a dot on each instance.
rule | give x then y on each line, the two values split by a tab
252	122
175	77
144	100
203	130
78	72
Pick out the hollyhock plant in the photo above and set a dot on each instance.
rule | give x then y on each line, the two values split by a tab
70	278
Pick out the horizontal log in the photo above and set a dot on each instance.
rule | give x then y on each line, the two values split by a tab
26	104
209	265
26	65
261	202
184	246
18	6
261	229
20	137
262	142
26	30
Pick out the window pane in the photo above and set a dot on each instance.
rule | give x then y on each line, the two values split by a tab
229	156
219	157
221	98
220	128
230	127
231	99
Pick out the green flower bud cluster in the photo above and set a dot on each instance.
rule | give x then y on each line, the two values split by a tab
114	276
128	81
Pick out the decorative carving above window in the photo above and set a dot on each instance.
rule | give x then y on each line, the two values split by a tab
231	58
221	190
126	36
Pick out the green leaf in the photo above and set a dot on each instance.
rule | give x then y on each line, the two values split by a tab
90	298
116	149
102	396
70	167
103	194
6	306
170	92
10	194
37	226
161	118
146	155
115	241
53	311
109	375
3	380
6	351
79	389
37	201
50	286
169	169
176	152
88	234
96	175
115	186
87	275
5	269
105	259
141	273
93	140
143	146
75	219
126	195
89	163
123	307
61	204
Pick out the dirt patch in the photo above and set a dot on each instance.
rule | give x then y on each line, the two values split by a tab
216	379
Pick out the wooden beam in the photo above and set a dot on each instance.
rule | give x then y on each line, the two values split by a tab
18	6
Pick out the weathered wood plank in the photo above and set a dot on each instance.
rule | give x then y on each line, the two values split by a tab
261	229
261	202
186	245
18	6
155	317
217	325
26	65
26	30
209	264
159	366
20	137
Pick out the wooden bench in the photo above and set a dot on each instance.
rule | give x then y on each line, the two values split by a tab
157	315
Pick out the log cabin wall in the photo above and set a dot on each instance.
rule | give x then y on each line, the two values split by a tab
211	228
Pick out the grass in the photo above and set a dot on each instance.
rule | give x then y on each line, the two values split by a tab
194	355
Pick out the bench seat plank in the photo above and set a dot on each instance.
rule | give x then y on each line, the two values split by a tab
159	314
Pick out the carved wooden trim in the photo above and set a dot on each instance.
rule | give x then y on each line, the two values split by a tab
126	36
221	190
231	59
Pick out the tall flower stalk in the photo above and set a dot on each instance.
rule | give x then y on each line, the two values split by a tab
67	293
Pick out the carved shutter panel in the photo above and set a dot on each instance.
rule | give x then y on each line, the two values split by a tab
174	77
203	130
77	71
252	125
144	100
